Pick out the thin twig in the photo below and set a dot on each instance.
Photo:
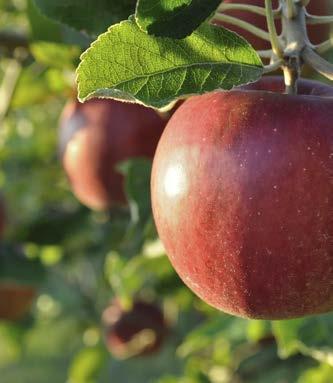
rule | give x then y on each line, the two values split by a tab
266	54
12	40
318	63
315	20
8	87
273	67
305	3
274	39
324	47
290	9
244	25
248	8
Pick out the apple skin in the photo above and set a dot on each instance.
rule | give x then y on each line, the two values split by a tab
317	33
15	300
98	134
242	196
123	326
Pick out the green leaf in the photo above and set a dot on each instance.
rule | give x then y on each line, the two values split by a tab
320	374
257	330
287	336
173	18
127	64
137	186
16	267
87	364
55	55
93	17
44	29
229	328
41	27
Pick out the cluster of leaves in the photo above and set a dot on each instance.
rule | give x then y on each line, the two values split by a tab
84	258
166	51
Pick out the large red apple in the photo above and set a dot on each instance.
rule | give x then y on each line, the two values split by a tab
317	33
242	194
15	300
138	331
98	134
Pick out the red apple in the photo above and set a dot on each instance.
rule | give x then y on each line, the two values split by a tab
98	134
15	300
139	331
317	33
242	195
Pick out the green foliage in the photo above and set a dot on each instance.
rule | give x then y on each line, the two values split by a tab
81	260
155	71
55	55
15	267
173	18
43	28
84	15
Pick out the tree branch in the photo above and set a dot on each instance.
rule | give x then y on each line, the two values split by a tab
12	40
8	86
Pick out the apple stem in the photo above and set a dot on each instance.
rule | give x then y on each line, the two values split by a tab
318	63
274	38
249	8
292	48
291	75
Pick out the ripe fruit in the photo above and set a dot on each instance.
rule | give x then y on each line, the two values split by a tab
242	197
19	280
317	33
15	300
98	134
139	331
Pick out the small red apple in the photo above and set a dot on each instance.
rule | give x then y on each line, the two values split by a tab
139	331
242	195
317	33
98	134
15	300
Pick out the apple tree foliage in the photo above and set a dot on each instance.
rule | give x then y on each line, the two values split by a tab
80	260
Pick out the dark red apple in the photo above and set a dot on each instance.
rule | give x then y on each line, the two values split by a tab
139	331
242	195
97	135
15	300
317	33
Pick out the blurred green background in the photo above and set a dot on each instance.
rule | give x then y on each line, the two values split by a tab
79	260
